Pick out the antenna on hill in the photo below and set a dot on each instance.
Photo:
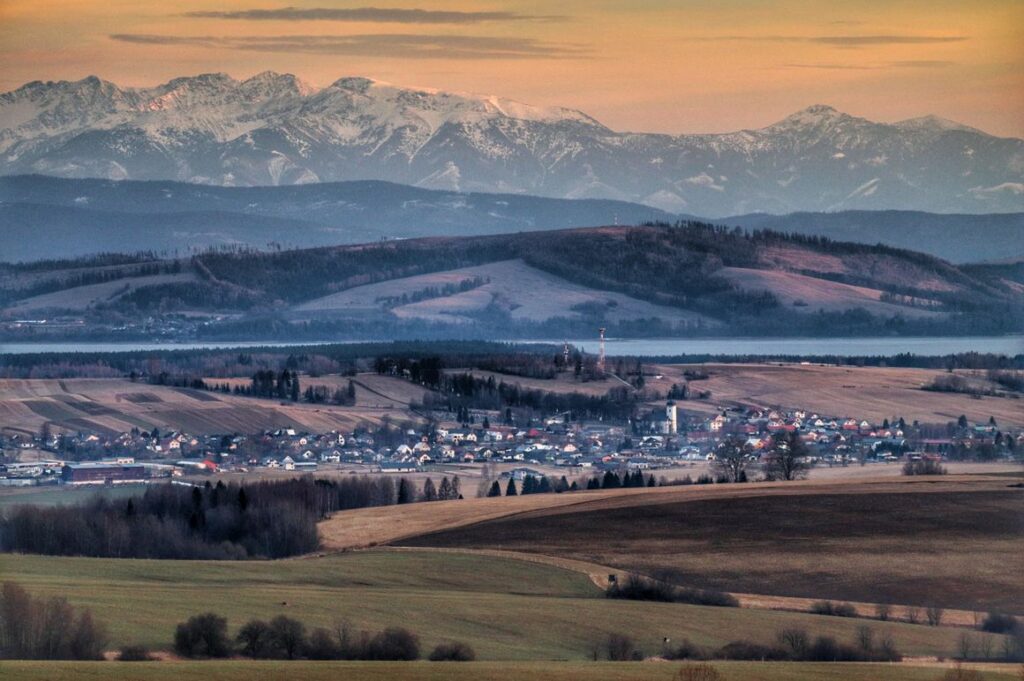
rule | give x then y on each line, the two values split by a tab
565	353
600	354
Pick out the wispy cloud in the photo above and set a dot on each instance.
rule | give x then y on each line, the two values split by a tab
377	45
880	66
852	41
374	14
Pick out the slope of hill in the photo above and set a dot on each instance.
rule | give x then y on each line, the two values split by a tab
653	280
271	129
47	217
958	238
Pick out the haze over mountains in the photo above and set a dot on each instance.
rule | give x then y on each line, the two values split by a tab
46	217
274	130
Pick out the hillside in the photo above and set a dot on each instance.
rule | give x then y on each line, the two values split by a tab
47	217
959	238
272	129
690	278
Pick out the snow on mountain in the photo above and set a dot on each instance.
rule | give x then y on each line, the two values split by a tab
273	129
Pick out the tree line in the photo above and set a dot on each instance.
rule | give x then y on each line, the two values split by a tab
213	522
47	628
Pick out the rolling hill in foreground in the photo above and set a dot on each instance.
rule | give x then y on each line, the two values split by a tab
663	280
48	217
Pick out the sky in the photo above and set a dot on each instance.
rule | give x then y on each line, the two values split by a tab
682	66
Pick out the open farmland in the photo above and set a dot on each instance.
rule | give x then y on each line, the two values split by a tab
507	609
950	542
872	393
118	405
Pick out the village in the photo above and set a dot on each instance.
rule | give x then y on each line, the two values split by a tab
664	442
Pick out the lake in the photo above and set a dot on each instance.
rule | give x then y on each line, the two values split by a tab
853	347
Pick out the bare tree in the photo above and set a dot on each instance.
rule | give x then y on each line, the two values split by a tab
788	459
731	459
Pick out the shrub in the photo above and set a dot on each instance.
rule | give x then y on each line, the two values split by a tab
685	650
620	648
454	651
746	650
203	635
321	645
923	467
698	672
934	615
883	611
958	673
134	654
394	643
255	640
833	609
638	588
999	623
796	642
288	635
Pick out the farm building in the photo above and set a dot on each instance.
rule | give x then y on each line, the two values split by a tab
102	473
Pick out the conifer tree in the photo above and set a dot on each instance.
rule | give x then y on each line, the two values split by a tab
510	490
495	490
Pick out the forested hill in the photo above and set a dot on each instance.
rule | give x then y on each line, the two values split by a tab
659	279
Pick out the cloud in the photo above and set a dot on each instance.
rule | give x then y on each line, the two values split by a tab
375	14
377	45
922	64
909	64
851	41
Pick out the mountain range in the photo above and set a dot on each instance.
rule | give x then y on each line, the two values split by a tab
272	129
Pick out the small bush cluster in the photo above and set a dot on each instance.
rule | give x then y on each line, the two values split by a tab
796	645
923	467
285	638
833	609
638	588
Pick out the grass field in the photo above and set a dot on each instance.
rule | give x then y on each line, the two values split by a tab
237	670
505	608
948	542
55	496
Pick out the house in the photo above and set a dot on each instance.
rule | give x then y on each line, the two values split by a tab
103	473
288	463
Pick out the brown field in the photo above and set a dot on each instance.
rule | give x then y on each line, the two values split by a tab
819	294
950	541
117	405
872	393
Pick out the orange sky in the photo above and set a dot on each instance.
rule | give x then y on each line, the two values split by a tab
679	66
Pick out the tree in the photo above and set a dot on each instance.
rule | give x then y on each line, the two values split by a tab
254	638
429	491
203	635
444	492
788	459
510	490
495	490
731	459
288	635
405	493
